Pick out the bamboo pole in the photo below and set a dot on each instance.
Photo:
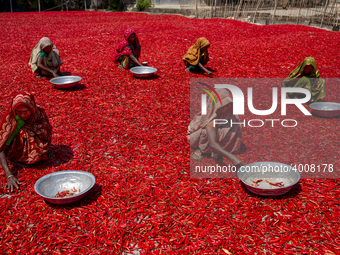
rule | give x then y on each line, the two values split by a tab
257	7
196	11
85	4
324	12
211	9
333	9
232	10
238	9
297	19
273	20
337	17
225	8
11	5
39	5
243	10
234	16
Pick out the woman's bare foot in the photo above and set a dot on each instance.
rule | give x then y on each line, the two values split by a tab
187	70
38	76
120	66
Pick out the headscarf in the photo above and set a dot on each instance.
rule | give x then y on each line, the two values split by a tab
38	132
121	49
201	121
297	72
53	59
193	54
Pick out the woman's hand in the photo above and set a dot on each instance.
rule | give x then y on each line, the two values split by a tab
209	73
12	182
237	162
55	74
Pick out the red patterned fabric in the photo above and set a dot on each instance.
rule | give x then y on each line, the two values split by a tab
123	50
34	139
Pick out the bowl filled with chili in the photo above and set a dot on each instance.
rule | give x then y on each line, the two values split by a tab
64	187
268	178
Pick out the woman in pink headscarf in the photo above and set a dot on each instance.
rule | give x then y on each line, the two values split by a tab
128	51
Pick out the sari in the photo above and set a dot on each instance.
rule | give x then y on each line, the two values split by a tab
51	61
125	49
312	82
229	138
32	142
194	55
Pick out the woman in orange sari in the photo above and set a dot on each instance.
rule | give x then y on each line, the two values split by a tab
25	135
221	140
197	56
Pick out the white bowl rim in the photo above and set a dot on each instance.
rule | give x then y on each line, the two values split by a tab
69	76
312	105
136	68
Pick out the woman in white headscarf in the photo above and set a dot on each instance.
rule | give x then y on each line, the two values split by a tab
45	59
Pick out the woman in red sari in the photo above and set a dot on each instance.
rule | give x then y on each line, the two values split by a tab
25	135
128	51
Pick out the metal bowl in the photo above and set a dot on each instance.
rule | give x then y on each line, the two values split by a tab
271	171
326	109
65	82
49	185
143	71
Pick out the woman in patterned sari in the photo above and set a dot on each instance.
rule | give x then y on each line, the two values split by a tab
25	135
306	76
128	51
197	56
223	140
45	59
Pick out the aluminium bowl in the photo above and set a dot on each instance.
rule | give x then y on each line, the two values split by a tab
65	82
143	71
326	109
271	171
49	185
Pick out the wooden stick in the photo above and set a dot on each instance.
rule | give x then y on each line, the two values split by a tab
337	11
238	9
324	12
257	7
297	18
212	6
274	12
196	14
225	8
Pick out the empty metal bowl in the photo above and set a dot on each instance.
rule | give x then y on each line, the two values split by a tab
65	82
49	185
273	172
326	109
143	71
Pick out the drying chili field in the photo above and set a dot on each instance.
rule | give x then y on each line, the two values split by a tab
130	134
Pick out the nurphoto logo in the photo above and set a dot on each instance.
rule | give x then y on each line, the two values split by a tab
238	104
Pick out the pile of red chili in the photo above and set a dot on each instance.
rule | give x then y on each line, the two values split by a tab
67	193
130	134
